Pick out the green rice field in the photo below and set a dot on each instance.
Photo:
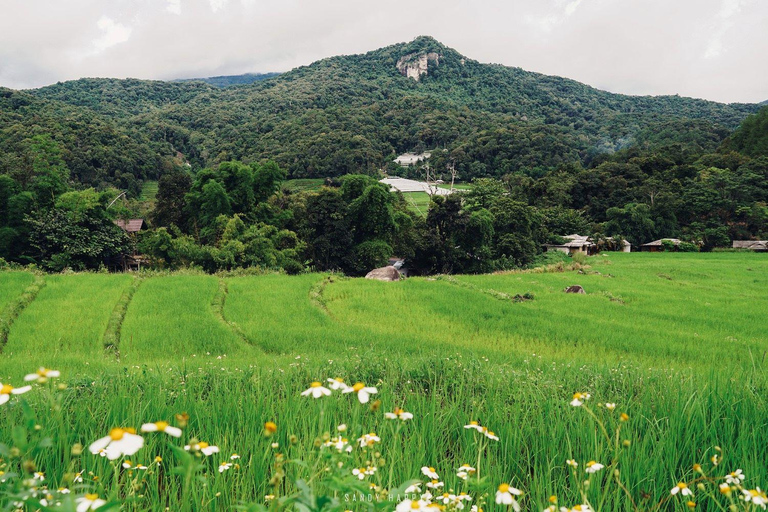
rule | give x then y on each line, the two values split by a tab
676	341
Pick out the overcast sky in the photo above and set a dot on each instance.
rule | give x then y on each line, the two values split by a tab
713	49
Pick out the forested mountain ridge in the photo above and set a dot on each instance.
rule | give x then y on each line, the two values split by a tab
230	80
354	113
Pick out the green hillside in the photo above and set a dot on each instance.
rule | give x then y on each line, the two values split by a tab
354	113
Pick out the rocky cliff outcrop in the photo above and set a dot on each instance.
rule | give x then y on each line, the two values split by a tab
416	64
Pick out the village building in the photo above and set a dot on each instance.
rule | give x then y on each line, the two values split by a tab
658	245
585	245
134	260
574	244
409	159
751	245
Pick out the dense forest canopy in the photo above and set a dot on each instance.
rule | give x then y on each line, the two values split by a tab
547	157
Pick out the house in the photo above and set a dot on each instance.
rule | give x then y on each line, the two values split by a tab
615	245
574	244
130	225
409	159
658	245
134	260
751	245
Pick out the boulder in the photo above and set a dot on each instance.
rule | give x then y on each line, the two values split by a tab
384	274
574	289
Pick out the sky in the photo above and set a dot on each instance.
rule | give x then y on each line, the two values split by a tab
712	49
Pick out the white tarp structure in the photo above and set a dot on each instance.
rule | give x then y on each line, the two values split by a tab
404	185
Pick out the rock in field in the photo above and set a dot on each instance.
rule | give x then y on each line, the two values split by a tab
384	274
575	289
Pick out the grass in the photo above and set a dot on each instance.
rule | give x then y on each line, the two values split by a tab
172	318
304	184
676	340
148	190
66	321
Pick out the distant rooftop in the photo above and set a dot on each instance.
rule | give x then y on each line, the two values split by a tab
130	225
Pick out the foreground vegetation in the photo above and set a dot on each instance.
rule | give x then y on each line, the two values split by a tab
674	340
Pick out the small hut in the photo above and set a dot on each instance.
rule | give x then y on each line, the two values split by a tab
751	245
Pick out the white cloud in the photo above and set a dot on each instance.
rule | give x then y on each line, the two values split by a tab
112	34
174	6
216	5
704	48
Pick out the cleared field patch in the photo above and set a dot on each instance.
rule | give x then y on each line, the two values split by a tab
172	317
66	320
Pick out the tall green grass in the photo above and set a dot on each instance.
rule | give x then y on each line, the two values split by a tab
172	318
66	321
675	340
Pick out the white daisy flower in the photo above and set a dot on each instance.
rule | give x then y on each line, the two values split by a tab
412	506
119	442
435	484
593	467
42	373
489	434
414	488
338	384
735	477
340	443
368	439
224	466
474	425
130	465
756	497
7	390
78	478
234	456
161	426
317	390
63	490
363	392
579	398
505	495
572	463
89	502
610	406
430	472
398	413
203	447
681	488
465	471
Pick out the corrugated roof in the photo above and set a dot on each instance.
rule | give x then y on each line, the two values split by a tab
750	244
658	243
130	225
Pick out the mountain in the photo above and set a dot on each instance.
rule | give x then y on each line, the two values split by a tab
355	113
230	80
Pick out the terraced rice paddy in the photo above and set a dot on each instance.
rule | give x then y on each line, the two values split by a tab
677	341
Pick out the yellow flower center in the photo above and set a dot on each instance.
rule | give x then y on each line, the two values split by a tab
158	459
591	463
339	380
43	372
91	497
691	504
6	389
116	434
129	430
504	488
315	385
682	485
270	426
577	507
161	425
553	499
577	396
202	445
415	505
357	387
431	470
474	423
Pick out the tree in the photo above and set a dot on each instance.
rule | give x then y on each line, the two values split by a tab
172	189
634	222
